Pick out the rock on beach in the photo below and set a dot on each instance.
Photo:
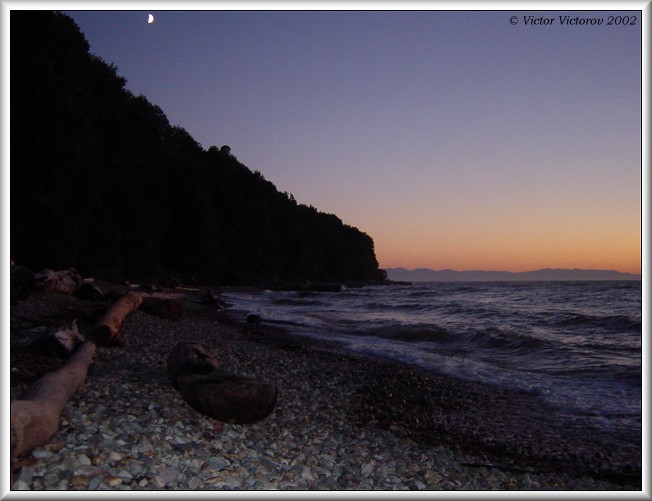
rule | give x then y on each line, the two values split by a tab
341	422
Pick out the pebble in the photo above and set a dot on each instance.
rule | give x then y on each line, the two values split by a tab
95	482
42	454
217	463
112	481
232	482
79	483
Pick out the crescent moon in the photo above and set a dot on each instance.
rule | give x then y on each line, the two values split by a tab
150	19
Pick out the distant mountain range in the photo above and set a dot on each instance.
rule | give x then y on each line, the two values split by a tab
428	275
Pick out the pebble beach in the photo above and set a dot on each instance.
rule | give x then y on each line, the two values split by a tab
341	421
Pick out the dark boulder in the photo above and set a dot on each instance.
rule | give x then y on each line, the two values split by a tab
253	319
216	393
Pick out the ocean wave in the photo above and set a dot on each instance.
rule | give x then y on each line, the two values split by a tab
612	322
631	376
296	302
577	344
494	338
411	333
489	339
402	307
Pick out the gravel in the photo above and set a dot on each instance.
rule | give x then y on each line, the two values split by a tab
341	422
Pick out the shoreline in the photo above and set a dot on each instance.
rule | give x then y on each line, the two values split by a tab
342	421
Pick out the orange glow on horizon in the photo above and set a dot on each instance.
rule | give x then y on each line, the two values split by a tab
503	252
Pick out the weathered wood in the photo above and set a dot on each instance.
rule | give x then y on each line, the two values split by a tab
162	308
108	328
210	296
89	291
63	341
190	358
109	290
227	397
195	373
35	415
59	282
164	295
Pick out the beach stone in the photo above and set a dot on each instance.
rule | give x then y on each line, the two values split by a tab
136	468
306	474
367	469
112	481
263	485
95	482
86	470
62	485
232	482
79	482
41	454
217	463
168	475
252	318
26	474
21	485
158	481
125	475
195	483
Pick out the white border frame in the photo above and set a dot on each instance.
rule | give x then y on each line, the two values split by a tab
7	6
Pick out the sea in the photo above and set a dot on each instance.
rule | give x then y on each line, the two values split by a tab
577	345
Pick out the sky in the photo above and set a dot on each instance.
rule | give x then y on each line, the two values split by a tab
455	139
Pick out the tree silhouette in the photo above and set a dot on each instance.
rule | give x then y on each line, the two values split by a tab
101	181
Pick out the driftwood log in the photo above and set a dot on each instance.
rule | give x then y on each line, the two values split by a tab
162	308
63	341
59	282
89	291
36	413
212	296
108	328
196	374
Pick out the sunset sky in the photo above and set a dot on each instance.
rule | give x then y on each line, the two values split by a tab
454	139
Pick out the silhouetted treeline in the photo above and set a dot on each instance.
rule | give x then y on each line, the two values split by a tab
101	181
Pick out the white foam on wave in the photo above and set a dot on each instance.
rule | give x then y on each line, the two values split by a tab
518	352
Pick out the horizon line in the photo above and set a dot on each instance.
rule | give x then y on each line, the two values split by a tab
514	272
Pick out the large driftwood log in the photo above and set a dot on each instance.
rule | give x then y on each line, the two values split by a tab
195	373
162	308
108	328
190	358
36	413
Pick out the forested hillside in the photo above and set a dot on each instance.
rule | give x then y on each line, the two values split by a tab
101	181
